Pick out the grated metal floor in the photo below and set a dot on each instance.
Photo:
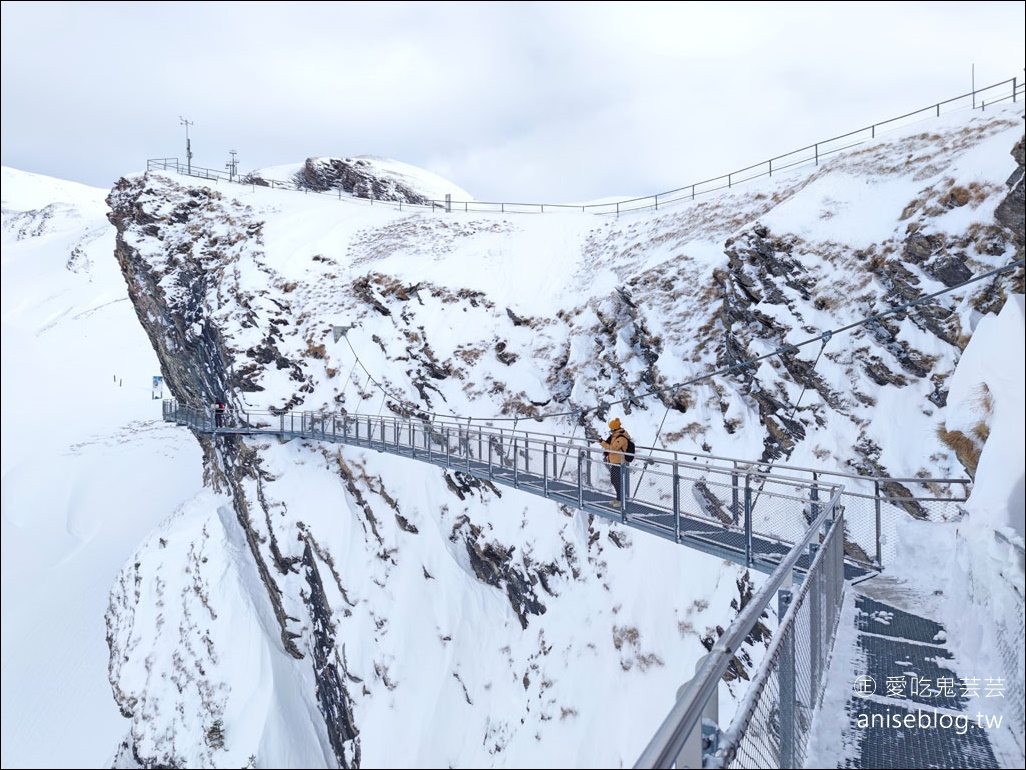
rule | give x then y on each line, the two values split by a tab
914	710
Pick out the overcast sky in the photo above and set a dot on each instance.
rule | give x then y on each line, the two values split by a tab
92	497
520	102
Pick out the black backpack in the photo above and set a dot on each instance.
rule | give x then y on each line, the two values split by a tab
628	456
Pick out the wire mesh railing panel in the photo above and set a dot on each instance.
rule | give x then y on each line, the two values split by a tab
716	497
997	592
782	511
773	722
1009	647
689	487
652	487
760	746
862	541
805	696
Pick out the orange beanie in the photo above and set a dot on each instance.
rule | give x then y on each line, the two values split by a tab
615	423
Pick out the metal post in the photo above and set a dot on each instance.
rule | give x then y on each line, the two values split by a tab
748	520
516	466
545	467
733	494
815	596
580	478
623	491
693	751
787	688
837	546
879	556
676	502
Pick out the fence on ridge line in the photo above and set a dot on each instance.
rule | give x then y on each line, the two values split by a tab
1007	90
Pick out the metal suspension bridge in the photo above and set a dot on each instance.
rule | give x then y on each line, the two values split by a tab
813	532
747	512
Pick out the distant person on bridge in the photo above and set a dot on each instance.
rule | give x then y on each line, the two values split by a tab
219	410
615	456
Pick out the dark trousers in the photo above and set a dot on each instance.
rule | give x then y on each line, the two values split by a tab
616	478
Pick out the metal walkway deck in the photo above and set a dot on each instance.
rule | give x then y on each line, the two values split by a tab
907	705
751	518
787	522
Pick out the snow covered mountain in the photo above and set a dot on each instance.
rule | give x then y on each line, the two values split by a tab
316	605
366	176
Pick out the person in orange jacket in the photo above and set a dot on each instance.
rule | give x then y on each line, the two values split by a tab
616	447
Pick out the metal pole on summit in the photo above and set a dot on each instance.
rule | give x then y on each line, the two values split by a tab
188	143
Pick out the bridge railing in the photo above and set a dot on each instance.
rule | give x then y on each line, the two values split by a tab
755	513
804	521
875	505
675	488
771	724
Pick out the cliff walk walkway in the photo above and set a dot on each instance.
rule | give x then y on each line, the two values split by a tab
749	513
817	535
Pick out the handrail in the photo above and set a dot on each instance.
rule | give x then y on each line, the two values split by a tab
681	494
646	452
706	507
668	741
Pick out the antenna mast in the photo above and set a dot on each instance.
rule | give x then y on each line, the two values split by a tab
188	144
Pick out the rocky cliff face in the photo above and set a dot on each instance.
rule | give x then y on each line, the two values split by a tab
231	315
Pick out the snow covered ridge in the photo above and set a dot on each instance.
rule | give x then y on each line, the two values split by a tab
369	177
333	594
